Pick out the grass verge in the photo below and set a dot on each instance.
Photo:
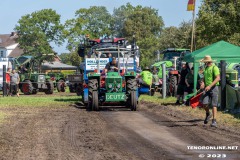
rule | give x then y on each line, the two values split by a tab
30	101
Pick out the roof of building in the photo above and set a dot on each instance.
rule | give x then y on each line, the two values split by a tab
8	39
57	66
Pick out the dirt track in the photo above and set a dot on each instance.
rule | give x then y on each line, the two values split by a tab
153	132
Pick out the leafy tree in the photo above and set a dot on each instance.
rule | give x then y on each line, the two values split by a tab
71	58
37	30
95	21
145	23
218	20
176	37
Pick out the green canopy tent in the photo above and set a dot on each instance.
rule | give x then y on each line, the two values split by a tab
218	51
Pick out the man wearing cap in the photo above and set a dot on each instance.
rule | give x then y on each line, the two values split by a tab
210	85
146	77
181	82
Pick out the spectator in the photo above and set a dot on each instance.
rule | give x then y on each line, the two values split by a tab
210	85
15	79
146	77
181	82
8	79
189	81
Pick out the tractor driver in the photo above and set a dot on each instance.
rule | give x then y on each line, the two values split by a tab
111	66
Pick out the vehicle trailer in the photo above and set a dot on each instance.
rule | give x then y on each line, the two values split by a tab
100	88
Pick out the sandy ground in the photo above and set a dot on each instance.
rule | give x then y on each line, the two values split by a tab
151	133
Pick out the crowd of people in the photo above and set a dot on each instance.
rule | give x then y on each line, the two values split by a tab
12	82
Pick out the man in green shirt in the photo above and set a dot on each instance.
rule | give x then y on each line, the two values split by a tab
210	85
146	77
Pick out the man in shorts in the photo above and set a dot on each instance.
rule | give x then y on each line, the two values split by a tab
210	85
15	79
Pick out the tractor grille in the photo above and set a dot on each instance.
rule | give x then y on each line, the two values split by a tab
114	84
41	78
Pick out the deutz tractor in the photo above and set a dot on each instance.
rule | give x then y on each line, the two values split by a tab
100	88
172	57
31	80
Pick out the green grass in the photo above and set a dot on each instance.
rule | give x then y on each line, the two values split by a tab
32	101
158	99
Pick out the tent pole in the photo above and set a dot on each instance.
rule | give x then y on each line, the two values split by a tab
196	66
223	84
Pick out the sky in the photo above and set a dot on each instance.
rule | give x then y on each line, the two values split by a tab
173	12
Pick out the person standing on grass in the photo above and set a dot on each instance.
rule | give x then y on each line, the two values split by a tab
181	82
210	85
15	79
8	79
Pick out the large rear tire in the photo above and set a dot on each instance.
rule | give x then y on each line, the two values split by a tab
50	87
173	85
61	85
133	96
93	95
27	87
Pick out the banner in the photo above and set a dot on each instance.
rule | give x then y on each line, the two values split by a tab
191	5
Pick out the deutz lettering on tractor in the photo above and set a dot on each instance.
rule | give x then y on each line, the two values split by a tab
119	87
31	79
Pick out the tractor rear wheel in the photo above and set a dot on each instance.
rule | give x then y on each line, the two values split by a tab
173	86
131	85
27	87
61	85
50	87
93	95
133	96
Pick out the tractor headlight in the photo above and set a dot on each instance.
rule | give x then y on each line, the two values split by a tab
118	85
110	86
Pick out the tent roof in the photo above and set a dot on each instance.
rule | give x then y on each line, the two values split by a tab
218	51
57	65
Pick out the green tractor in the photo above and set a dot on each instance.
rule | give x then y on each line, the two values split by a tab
100	88
59	80
172	57
31	80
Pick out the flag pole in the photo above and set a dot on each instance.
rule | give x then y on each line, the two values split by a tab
193	26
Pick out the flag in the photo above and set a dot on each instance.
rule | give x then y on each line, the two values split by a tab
191	5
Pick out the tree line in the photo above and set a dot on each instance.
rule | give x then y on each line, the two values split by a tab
216	20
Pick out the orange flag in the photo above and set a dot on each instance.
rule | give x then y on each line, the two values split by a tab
191	5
